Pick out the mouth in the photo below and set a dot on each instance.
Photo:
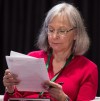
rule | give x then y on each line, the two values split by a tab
56	43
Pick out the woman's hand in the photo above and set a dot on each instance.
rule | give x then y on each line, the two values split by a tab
55	90
10	80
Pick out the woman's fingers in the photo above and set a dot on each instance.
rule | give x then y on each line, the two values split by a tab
55	89
50	84
7	71
10	79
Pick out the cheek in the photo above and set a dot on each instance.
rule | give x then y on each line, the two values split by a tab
49	39
68	40
71	38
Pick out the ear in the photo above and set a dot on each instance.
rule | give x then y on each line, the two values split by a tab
75	36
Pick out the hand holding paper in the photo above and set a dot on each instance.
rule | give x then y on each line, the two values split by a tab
30	70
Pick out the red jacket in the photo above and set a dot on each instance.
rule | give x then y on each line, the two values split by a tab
80	79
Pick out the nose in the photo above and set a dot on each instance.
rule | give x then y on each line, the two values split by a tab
55	35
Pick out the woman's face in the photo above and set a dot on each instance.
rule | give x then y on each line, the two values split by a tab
58	37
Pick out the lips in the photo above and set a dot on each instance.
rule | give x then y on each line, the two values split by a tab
56	43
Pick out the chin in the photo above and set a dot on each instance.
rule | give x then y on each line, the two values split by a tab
56	49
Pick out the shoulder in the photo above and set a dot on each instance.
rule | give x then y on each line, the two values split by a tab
38	54
84	60
86	63
88	70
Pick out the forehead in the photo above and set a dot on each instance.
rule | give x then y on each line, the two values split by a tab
60	20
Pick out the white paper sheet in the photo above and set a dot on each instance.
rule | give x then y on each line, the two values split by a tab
31	71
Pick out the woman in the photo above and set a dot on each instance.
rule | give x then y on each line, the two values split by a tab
63	41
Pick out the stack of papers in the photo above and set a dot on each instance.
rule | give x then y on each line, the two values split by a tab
31	71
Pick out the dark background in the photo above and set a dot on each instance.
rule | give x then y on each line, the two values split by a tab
21	20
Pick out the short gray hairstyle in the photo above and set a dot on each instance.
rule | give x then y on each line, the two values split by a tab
70	12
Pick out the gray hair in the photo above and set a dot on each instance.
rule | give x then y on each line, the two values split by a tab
72	14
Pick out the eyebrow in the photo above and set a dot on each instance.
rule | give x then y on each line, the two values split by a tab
62	27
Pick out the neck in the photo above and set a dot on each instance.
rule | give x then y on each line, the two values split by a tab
61	56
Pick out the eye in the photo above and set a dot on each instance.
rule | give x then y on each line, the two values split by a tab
50	30
61	31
